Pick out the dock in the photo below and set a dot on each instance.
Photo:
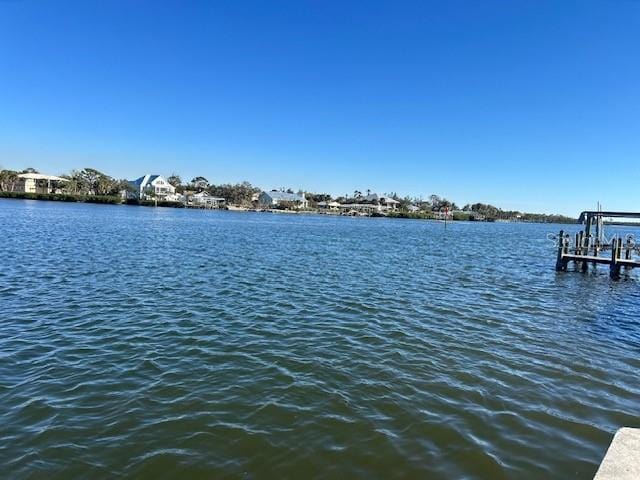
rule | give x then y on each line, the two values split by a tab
590	242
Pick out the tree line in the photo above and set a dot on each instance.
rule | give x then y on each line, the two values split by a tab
237	194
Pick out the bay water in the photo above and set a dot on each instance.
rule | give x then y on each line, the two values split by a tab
165	343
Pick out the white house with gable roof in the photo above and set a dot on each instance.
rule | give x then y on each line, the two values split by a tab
153	186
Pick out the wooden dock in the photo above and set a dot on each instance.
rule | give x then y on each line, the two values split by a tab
587	246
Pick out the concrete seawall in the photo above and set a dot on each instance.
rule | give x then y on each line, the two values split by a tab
622	460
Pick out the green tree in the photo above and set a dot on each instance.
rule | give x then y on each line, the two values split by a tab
176	181
8	180
238	194
105	185
90	181
315	198
405	203
199	183
439	204
125	186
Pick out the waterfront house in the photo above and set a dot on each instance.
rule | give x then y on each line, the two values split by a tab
39	183
328	206
277	199
153	186
370	204
204	200
386	203
354	209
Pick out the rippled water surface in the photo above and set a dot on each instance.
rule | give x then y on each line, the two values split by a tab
161	343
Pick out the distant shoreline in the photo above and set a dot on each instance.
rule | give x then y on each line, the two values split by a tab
92	186
117	201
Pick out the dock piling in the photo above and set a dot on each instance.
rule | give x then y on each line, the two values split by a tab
628	249
585	249
614	266
560	261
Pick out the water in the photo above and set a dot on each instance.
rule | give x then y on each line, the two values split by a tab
160	343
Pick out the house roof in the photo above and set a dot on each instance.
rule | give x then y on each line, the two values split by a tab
146	179
287	197
328	204
40	176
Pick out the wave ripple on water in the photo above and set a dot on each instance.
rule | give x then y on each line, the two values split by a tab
159	343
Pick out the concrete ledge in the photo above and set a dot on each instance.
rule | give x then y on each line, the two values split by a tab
622	461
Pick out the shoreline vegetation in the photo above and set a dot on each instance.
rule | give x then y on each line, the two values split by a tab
99	199
92	186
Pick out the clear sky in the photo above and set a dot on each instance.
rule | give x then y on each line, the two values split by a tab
532	105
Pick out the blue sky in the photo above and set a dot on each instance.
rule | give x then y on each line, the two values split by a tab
531	105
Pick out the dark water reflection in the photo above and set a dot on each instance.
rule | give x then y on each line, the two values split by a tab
159	343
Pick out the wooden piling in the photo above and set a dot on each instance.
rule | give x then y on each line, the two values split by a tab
559	261
614	266
619	248
585	244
